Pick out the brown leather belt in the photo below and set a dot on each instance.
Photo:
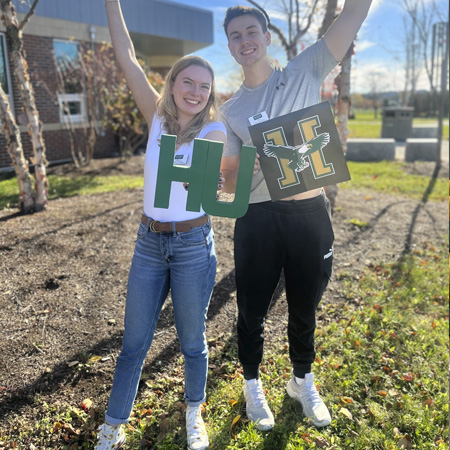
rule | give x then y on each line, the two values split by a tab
166	227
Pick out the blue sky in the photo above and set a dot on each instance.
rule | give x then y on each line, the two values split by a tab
379	52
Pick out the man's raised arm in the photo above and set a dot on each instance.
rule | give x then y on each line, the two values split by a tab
344	29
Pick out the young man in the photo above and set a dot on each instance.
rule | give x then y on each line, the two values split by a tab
293	234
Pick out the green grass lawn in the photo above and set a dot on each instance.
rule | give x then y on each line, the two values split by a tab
365	125
390	178
68	186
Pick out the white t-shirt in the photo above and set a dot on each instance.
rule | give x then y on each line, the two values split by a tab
178	195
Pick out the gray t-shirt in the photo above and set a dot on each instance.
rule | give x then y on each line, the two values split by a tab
285	91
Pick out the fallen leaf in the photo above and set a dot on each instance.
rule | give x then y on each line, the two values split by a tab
235	421
405	443
165	424
220	370
69	428
56	426
382	393
346	413
94	359
85	404
320	442
408	376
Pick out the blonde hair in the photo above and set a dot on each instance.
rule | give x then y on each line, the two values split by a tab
167	108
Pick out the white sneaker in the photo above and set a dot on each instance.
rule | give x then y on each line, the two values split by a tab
197	437
313	406
110	437
257	408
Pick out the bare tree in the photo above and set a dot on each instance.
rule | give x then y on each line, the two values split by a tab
377	84
412	64
419	18
298	18
14	33
15	150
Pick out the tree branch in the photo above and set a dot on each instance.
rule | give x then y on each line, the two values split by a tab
271	26
28	16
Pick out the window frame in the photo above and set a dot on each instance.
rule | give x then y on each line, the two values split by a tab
78	97
72	118
7	70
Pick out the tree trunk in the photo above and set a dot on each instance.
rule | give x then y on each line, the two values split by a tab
15	43
15	150
330	16
343	104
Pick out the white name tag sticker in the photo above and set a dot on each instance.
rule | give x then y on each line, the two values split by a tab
180	159
258	118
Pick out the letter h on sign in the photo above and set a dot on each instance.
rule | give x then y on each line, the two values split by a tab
203	177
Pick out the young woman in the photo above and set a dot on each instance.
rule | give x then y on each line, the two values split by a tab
175	247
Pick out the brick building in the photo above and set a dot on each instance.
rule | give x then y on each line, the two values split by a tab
162	31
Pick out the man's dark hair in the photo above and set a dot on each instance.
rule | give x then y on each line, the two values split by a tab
237	11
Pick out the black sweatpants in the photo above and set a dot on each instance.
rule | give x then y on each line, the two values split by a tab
295	236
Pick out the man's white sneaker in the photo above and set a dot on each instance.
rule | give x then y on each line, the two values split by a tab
313	406
110	437
257	408
197	437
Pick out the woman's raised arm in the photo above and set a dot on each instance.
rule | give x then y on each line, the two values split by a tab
143	92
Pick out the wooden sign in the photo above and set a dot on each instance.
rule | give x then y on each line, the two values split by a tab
300	151
203	177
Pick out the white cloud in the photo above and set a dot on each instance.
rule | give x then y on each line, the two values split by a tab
364	45
385	75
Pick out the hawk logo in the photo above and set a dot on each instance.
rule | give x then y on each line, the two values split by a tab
292	160
297	154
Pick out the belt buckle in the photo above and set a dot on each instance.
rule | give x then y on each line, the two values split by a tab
152	226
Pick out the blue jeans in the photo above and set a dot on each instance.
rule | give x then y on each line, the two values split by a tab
185	263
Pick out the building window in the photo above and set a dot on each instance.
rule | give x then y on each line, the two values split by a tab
71	108
71	97
5	80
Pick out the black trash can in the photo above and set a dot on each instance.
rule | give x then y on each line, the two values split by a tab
397	123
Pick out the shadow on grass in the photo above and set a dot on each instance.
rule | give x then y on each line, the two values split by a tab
406	259
287	421
418	209
420	206
61	374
